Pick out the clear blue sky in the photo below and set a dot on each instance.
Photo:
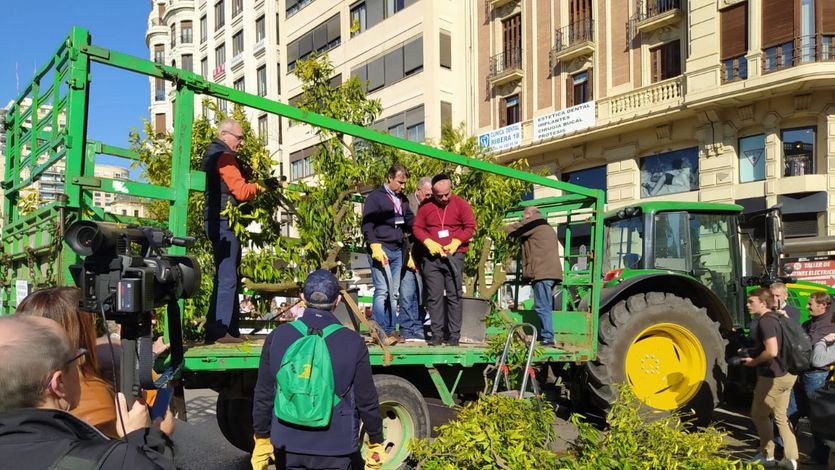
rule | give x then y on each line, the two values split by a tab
33	30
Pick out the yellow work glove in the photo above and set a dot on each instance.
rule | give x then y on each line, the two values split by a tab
262	453
411	263
434	247
452	247
375	457
378	254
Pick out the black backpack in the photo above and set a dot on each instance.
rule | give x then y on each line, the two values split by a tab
796	352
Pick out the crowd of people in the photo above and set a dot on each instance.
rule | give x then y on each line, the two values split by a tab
782	398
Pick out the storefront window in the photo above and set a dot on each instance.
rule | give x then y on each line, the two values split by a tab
798	151
752	158
670	172
594	177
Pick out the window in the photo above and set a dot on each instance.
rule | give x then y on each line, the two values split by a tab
204	29
136	212
173	34
260	29
322	38
752	158
301	163
578	88
670	172
222	105
186	32
358	19
397	130
798	151
445	42
188	62
238	43
408	124
262	80
159	54
800	225
204	67
220	18
594	177
778	17
446	114
237	7
239	84
393	6
220	55
509	110
512	41
415	133
278	78
734	38
666	61
263	130
293	6
159	89
159	124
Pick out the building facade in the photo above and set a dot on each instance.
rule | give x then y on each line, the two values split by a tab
411	53
693	100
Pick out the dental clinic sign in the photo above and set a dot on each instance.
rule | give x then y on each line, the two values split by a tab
502	139
570	119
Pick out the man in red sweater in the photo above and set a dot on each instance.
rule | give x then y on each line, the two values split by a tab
444	225
225	184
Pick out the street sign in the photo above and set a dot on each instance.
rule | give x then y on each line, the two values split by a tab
815	269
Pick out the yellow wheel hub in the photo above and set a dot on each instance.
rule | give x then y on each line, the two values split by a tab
665	366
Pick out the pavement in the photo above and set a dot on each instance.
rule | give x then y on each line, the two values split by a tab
201	446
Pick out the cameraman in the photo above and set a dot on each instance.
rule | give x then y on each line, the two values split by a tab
36	429
225	185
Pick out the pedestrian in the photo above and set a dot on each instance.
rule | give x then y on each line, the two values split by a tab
335	446
386	222
780	292
818	327
411	312
540	264
225	184
444	225
40	388
774	382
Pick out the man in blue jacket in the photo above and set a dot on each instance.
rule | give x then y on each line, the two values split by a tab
386	221
337	445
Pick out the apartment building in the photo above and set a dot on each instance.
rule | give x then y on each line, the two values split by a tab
695	100
412	54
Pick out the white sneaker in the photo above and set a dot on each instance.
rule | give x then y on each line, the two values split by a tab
787	464
415	340
762	460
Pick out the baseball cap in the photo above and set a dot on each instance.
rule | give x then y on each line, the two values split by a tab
321	288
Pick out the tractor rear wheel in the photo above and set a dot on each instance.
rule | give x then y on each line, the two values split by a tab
665	348
234	418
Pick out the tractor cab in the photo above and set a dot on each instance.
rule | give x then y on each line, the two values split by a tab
694	240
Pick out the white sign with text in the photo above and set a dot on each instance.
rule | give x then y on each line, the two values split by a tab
502	138
567	120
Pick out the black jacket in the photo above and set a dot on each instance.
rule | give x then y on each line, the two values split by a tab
217	193
352	380
378	219
35	439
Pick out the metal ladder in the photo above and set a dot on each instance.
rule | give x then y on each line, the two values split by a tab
503	370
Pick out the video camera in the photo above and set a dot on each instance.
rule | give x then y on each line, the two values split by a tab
125	275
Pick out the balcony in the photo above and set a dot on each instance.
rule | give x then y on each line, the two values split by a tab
506	67
643	101
574	40
489	4
801	50
237	59
218	71
655	14
259	47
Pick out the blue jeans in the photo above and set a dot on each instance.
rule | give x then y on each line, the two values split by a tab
543	304
381	309
812	381
224	310
410	314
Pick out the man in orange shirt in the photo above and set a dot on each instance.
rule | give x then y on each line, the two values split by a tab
225	184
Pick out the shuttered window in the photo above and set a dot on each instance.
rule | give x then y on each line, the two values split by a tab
778	22
826	16
666	61
734	22
159	123
512	36
446	50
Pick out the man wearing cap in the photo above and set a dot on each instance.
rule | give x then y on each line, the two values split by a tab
444	225
386	221
337	445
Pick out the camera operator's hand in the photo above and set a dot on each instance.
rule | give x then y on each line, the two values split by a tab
159	346
746	361
168	424
830	338
137	418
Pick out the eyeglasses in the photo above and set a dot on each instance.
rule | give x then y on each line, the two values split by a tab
81	352
239	137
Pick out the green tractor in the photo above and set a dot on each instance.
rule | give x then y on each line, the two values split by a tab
672	300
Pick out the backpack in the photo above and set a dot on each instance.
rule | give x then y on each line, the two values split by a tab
796	352
305	393
86	455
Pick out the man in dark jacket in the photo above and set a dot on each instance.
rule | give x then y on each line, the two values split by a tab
36	430
386	221
225	184
337	445
818	326
411	312
540	264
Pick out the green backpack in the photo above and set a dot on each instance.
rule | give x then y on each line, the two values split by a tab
305	393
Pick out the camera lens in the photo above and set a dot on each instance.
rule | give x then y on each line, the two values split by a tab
85	236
